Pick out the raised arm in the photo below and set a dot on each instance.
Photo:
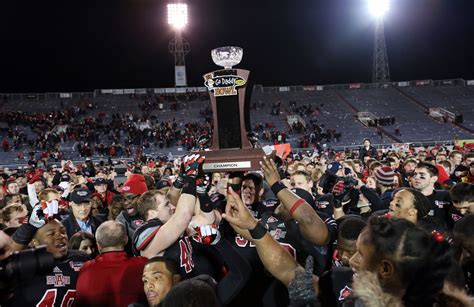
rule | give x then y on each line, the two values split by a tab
274	257
179	221
312	227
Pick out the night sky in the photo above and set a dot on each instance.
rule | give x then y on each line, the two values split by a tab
91	44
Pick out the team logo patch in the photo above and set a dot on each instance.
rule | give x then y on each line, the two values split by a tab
345	293
58	279
76	266
271	219
456	217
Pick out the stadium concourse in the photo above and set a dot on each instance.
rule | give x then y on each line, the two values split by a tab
372	207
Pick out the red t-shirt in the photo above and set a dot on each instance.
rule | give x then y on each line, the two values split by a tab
111	279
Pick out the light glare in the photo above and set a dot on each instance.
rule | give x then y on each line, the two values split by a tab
178	15
378	8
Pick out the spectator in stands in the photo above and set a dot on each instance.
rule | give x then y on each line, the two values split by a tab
367	149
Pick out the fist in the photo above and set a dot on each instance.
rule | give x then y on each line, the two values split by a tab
191	164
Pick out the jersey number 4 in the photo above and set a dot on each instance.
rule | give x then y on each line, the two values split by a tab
49	298
186	254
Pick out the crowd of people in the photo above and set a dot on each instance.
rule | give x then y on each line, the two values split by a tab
116	135
315	228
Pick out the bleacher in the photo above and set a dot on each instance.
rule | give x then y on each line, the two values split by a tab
413	121
337	109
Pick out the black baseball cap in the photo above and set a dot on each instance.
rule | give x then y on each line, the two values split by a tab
100	180
80	196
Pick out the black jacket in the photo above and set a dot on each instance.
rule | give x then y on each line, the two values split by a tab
72	226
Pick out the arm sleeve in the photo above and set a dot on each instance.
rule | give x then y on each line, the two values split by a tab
57	178
236	278
32	194
375	201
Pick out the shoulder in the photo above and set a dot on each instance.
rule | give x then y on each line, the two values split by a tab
144	234
76	255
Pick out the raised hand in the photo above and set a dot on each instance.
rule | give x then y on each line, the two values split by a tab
192	164
237	214
270	171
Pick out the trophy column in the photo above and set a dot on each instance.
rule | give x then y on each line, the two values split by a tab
230	149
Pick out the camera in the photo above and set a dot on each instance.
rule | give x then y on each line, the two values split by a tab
25	264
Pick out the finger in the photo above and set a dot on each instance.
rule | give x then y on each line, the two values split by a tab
273	165
230	219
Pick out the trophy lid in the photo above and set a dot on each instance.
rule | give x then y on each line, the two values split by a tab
227	56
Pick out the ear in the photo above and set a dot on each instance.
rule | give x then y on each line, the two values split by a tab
386	269
434	179
412	212
176	279
261	192
35	242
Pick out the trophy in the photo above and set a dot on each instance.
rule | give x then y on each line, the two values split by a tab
231	149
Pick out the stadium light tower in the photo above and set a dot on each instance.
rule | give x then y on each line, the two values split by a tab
381	73
178	46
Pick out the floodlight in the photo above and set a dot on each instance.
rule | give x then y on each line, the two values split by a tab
378	8
178	15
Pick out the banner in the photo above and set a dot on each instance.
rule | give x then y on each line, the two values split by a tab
284	89
470	82
117	92
405	147
65	95
282	150
319	88
403	83
106	91
140	91
129	91
180	75
354	86
159	90
423	82
467	143
308	88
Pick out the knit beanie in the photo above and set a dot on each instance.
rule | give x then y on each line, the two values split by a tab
385	175
135	185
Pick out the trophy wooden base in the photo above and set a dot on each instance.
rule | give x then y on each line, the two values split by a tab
231	160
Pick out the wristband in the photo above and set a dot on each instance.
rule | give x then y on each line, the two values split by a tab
189	186
258	232
296	205
277	187
204	203
178	183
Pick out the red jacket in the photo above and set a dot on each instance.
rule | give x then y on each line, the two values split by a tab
111	279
